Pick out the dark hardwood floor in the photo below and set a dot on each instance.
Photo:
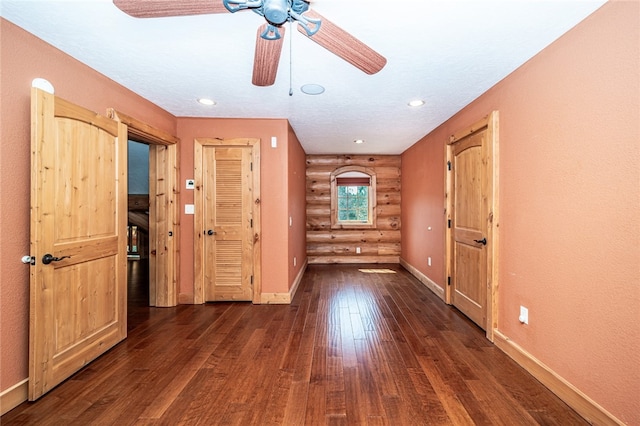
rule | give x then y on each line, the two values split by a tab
353	348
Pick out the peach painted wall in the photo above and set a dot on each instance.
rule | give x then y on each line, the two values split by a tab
25	57
297	205
422	206
273	193
569	205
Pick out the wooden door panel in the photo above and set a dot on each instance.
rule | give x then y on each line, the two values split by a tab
78	216
86	181
468	192
228	214
163	226
469	214
88	297
469	295
227	220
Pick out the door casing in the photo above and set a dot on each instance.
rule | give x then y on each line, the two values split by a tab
490	123
164	206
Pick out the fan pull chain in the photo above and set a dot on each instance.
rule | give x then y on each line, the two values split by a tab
290	59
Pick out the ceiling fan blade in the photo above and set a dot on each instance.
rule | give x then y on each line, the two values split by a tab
161	8
341	43
267	56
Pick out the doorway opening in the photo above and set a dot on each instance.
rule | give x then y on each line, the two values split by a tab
137	231
154	209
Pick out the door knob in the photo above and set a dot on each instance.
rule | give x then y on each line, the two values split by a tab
211	232
483	241
48	258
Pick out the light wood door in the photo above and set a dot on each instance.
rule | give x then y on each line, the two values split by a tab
78	239
225	215
471	227
163	225
468	277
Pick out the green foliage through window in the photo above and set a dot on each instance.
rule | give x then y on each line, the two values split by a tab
353	203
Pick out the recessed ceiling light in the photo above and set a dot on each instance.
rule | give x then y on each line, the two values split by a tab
205	101
359	141
312	89
416	103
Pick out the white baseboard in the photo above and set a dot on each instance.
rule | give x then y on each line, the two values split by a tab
428	282
14	396
572	396
285	298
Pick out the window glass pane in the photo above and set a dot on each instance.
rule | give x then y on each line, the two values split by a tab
353	203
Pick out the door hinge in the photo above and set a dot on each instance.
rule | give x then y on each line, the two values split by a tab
251	166
448	280
251	279
449	223
448	165
251	221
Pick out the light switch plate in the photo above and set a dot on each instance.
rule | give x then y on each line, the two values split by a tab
524	315
189	209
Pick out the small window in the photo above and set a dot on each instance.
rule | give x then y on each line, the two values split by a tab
353	198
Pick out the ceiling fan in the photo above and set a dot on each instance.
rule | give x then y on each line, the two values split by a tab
270	34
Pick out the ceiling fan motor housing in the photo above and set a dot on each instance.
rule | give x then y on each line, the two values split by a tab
276	12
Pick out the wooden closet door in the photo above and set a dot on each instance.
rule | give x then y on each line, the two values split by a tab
228	223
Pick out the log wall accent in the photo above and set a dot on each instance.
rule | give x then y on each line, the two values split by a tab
377	245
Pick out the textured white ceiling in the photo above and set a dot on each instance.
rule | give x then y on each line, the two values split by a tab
447	52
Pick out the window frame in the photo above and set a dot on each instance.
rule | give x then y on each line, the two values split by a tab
338	224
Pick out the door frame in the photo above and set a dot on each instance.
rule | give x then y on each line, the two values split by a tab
198	240
490	187
164	208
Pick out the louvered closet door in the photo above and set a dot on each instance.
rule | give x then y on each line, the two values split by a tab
228	223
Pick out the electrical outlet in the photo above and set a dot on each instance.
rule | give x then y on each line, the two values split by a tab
429	260
524	315
295	261
357	250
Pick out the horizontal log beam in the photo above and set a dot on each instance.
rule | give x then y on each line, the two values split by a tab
385	249
354	160
319	172
321	222
353	259
353	236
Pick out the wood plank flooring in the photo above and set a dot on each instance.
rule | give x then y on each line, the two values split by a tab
353	348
